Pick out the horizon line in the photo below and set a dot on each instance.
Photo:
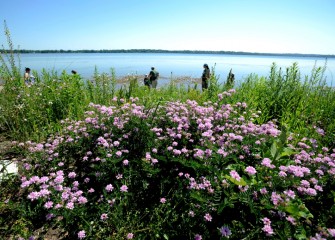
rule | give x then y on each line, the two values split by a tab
161	50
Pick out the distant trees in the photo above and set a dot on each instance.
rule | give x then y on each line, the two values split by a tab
160	51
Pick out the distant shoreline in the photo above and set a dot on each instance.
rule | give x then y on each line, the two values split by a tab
168	51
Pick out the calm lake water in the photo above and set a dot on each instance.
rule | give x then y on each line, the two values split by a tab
171	64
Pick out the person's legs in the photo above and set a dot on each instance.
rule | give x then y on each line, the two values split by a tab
154	83
204	84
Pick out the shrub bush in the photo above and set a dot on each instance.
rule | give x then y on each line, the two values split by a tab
179	171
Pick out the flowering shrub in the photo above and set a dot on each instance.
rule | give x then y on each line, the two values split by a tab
180	171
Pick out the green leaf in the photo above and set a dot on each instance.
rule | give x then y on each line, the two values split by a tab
273	150
161	158
300	233
283	135
287	152
191	164
293	209
242	182
197	196
226	203
298	211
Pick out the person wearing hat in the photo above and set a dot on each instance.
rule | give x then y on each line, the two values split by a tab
205	77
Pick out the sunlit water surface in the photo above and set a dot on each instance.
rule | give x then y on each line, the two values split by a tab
171	65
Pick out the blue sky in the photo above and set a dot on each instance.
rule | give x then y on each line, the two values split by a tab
277	26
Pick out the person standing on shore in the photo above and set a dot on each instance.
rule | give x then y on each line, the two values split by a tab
153	76
205	77
147	81
28	77
230	78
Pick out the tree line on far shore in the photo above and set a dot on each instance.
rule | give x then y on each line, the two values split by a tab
161	51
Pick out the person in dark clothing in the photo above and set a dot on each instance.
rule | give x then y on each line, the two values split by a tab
147	81
230	78
153	76
205	77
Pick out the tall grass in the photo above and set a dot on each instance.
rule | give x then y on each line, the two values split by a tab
10	68
301	103
34	111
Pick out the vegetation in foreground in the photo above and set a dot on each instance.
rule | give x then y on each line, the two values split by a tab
102	162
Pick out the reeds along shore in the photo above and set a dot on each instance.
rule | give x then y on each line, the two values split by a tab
179	79
283	95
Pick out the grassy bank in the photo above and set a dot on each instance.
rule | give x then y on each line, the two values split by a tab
251	161
301	103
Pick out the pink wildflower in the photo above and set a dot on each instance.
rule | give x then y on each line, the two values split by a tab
268	230
82	200
48	204
81	234
263	191
311	191
109	188
291	220
59	179
72	175
266	221
235	175
250	170
103	216
191	213
290	194
118	153
208	217
124	188
267	163
276	198
130	236
70	205
197	237
331	232
33	196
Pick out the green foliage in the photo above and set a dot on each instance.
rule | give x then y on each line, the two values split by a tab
298	103
10	67
14	219
184	174
182	154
